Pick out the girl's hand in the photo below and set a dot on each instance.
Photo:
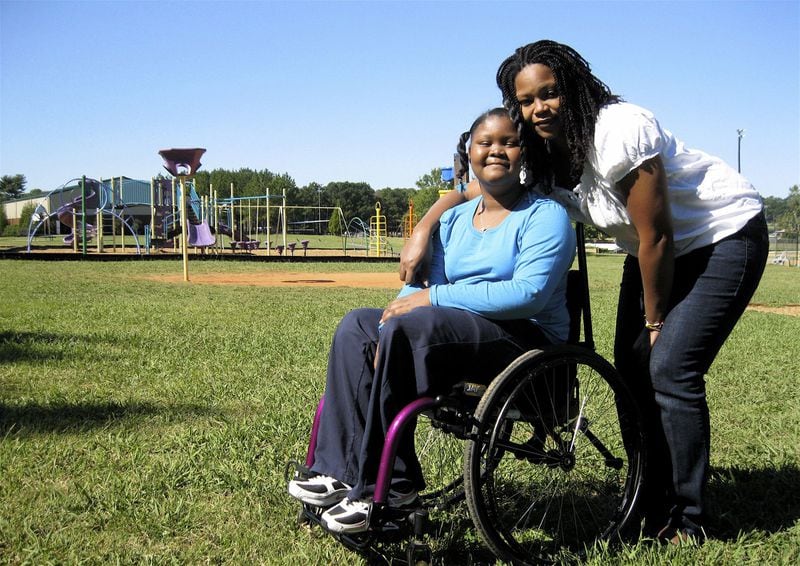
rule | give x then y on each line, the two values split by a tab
406	304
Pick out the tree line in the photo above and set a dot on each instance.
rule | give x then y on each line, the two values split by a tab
357	199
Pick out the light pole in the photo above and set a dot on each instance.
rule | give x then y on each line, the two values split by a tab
739	151
319	209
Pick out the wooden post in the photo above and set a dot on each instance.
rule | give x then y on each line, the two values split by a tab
184	231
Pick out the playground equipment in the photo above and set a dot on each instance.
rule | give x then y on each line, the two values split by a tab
295	218
165	215
183	164
153	209
80	204
409	221
357	229
549	456
245	218
320	225
377	233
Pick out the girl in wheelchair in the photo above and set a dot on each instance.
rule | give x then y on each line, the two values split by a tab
496	289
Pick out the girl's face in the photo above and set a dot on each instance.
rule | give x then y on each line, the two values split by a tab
495	153
539	100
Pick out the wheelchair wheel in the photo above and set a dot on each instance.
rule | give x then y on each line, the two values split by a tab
557	458
440	454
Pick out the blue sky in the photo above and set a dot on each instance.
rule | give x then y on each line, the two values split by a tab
370	91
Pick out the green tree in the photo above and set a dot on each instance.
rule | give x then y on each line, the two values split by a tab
357	199
246	182
310	195
429	186
25	218
12	187
790	219
335	227
3	219
774	208
201	182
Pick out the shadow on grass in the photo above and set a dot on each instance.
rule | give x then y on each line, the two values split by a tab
38	346
63	417
451	543
740	501
743	500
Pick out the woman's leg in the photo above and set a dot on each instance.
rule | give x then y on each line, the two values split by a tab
711	290
425	352
347	393
632	357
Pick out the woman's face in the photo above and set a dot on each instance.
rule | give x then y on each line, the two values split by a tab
539	100
495	153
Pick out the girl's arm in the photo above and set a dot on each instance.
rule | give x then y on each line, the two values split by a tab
414	255
648	208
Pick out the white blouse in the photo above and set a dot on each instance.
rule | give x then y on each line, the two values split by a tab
709	200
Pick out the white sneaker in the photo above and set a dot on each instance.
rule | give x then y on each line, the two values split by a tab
348	516
321	490
402	499
352	517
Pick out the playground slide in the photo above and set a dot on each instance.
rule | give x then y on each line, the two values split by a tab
65	216
200	235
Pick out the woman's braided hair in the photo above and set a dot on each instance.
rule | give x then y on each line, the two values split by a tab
581	95
461	148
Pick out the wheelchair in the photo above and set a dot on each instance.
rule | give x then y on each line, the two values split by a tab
549	456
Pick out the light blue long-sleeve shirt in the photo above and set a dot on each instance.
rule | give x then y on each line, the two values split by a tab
515	270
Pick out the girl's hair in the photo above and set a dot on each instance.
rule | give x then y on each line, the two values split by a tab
581	95
461	148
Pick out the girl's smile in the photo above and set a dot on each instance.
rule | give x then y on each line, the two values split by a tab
495	153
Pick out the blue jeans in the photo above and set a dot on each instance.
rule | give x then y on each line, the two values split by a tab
423	352
712	286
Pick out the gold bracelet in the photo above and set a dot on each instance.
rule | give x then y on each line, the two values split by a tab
657	326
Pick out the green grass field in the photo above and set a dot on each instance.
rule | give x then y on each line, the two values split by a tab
150	423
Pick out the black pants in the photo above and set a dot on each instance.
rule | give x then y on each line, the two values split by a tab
712	287
424	352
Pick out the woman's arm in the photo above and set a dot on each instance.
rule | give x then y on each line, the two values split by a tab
648	208
413	256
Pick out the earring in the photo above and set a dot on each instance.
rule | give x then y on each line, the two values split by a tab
523	175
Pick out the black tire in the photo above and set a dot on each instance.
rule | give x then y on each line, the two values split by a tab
548	472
